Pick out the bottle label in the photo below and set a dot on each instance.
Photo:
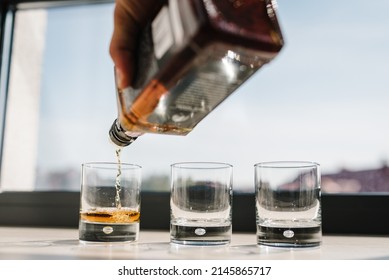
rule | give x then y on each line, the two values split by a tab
162	33
167	28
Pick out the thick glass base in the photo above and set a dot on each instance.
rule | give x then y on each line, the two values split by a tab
289	236
200	236
104	232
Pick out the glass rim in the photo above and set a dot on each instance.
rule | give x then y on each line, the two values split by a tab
110	165
287	164
201	165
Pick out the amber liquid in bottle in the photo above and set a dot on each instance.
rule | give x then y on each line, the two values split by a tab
192	56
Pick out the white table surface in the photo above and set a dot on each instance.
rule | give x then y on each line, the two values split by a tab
61	244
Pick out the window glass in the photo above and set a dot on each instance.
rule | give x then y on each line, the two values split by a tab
323	99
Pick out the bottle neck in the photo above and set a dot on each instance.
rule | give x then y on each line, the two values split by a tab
118	135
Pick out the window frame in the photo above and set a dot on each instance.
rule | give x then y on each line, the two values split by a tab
342	213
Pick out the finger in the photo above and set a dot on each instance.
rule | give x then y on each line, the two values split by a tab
129	18
123	44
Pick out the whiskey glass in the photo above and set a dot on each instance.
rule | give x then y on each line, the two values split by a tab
110	202
288	206
201	197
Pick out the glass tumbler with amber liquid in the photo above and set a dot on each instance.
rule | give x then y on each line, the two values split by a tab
110	202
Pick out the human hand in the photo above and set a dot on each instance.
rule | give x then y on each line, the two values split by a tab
130	16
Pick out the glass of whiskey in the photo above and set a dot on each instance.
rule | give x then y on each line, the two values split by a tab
110	202
288	206
200	204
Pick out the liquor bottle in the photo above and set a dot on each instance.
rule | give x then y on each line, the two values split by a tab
191	57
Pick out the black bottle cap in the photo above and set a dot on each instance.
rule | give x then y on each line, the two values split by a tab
118	135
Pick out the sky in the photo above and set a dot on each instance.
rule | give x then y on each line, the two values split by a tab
324	98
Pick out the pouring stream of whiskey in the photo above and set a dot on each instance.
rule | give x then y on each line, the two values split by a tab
117	182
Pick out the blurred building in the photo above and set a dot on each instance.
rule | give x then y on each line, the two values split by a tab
373	180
